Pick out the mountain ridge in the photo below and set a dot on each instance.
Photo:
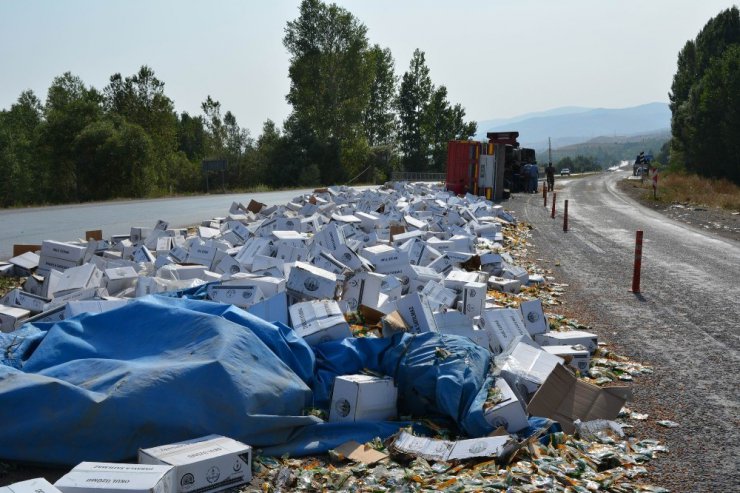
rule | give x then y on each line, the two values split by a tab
572	124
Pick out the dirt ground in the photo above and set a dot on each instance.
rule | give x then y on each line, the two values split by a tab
721	222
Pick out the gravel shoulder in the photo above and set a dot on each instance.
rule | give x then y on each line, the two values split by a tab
721	222
685	323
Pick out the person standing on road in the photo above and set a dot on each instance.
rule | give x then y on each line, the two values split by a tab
534	177
550	173
525	177
655	182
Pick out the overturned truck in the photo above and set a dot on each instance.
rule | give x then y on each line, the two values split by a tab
490	169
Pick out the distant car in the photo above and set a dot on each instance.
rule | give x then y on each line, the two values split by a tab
565	171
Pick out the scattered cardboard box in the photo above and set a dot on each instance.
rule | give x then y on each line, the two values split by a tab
534	317
507	411
526	367
319	321
569	338
208	464
104	477
357	452
564	398
417	313
363	398
37	485
576	356
498	447
12	317
505	325
308	281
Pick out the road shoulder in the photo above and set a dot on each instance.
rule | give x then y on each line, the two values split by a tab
721	222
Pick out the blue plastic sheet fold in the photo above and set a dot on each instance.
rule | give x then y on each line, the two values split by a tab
162	369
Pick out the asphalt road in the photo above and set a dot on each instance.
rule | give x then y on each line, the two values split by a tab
685	322
69	222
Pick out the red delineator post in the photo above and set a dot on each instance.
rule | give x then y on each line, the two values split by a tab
638	263
554	196
565	216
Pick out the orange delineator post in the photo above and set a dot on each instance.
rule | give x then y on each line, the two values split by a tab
638	263
554	196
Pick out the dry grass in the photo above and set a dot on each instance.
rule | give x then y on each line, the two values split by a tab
693	189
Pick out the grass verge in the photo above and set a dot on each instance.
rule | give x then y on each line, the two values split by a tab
693	189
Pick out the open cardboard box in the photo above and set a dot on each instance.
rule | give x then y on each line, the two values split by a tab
564	398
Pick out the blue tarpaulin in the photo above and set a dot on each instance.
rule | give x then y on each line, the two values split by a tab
160	370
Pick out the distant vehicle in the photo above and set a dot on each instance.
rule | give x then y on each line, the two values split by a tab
565	171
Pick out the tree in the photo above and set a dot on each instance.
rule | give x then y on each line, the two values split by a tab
141	100
330	79
119	152
428	119
413	98
442	123
703	135
380	117
191	137
717	118
214	127
237	144
70	107
19	166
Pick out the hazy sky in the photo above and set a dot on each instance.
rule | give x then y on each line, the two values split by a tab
498	58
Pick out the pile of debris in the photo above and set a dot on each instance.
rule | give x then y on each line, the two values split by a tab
427	280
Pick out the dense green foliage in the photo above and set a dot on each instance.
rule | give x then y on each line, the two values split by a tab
351	118
705	100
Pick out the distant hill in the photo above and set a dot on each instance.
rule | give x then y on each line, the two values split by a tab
573	125
608	151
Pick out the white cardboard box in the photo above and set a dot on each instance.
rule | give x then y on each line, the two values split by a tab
308	281
569	338
327	261
473	298
273	309
442	264
504	325
444	450
47	263
534	317
457	279
208	464
319	321
102	477
456	323
508	412
63	251
21	299
363	398
269	285
242	296
576	356
526	368
437	294
504	285
27	261
37	485
12	317
77	278
119	278
416	312
362	289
